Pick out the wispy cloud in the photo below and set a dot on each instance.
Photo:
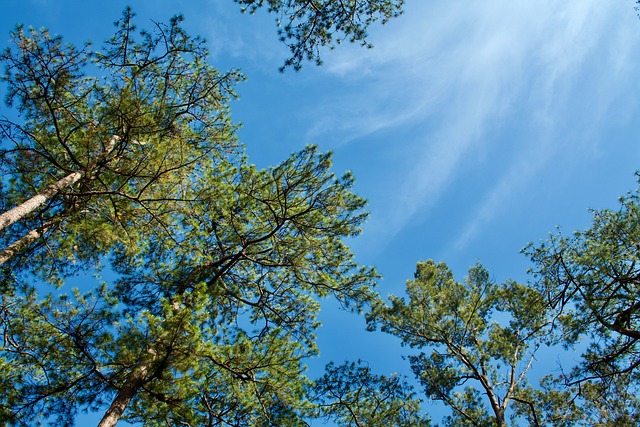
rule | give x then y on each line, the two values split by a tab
471	69
512	183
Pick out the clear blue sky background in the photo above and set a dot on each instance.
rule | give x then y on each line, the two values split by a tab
473	127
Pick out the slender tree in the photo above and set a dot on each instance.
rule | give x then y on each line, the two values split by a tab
216	266
210	329
95	154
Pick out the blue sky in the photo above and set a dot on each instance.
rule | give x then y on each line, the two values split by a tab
472	127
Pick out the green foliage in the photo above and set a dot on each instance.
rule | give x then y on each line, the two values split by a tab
610	403
306	26
351	395
53	349
136	129
482	336
219	319
218	265
471	353
592	280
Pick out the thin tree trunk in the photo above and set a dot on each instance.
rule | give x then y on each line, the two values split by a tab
24	241
24	209
493	399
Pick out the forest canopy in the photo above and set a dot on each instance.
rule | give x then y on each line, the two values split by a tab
217	264
122	161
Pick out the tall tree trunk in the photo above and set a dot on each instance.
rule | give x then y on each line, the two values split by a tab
24	209
140	375
24	241
128	390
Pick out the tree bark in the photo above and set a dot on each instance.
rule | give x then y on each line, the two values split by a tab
137	379
24	241
500	418
128	390
24	209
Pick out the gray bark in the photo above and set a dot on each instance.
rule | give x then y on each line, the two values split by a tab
24	209
128	390
23	242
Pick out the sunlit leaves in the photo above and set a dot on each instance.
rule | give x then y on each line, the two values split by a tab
350	394
135	119
477	338
591	279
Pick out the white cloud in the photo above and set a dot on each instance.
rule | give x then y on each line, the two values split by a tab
555	68
511	184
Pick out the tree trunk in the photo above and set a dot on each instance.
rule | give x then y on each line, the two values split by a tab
24	209
500	418
138	377
128	390
24	241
